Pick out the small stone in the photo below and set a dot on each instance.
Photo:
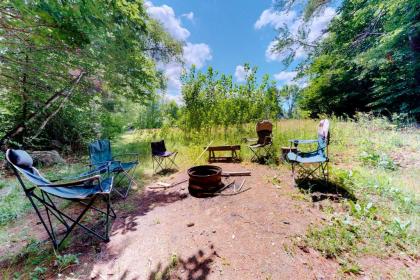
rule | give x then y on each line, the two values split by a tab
214	231
286	222
190	224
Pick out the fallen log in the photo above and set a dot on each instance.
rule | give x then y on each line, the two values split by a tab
241	173
163	185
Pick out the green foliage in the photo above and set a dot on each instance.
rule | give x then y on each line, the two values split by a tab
38	273
12	205
368	59
291	94
376	159
63	62
334	239
212	99
64	261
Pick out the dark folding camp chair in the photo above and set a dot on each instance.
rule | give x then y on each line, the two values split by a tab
41	192
263	146
163	158
318	158
101	160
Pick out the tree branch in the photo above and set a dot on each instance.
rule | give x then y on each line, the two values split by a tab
22	125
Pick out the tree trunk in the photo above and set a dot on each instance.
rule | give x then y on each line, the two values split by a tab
56	96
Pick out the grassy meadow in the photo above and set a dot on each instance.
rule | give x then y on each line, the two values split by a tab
372	159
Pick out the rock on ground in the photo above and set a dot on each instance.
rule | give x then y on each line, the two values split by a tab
46	158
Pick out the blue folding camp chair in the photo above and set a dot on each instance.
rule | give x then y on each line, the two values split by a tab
101	160
318	157
41	192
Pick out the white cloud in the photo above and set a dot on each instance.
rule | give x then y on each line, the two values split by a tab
289	78
197	54
271	55
189	16
240	73
316	29
286	76
274	18
166	15
319	23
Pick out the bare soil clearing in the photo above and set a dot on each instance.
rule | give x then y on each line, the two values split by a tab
225	237
168	234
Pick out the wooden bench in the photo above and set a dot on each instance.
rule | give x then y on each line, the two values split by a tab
232	148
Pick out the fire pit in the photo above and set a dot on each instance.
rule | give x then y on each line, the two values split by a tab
204	179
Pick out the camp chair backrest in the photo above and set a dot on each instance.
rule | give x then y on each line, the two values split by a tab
22	162
158	147
323	136
100	152
264	130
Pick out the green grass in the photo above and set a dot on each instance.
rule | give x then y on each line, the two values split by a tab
385	219
373	159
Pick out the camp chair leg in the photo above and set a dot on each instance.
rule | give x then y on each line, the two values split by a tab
172	160
256	156
261	153
294	174
108	207
159	164
129	176
51	208
50	234
76	222
164	163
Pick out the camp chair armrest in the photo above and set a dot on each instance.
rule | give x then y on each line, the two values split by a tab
103	164
310	152
131	156
297	142
77	182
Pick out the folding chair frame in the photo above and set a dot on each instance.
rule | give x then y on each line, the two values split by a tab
300	169
261	152
121	173
52	210
164	163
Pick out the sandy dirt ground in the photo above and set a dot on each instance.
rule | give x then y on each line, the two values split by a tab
246	236
251	235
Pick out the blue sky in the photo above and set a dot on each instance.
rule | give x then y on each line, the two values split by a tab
227	34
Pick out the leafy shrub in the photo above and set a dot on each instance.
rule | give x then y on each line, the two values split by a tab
38	273
333	239
380	160
64	261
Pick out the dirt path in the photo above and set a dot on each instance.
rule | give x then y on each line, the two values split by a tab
247	236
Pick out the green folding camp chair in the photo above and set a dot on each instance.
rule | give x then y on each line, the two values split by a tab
41	194
101	159
262	149
318	159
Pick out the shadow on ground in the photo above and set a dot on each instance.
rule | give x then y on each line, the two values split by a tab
166	171
321	190
196	267
140	205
